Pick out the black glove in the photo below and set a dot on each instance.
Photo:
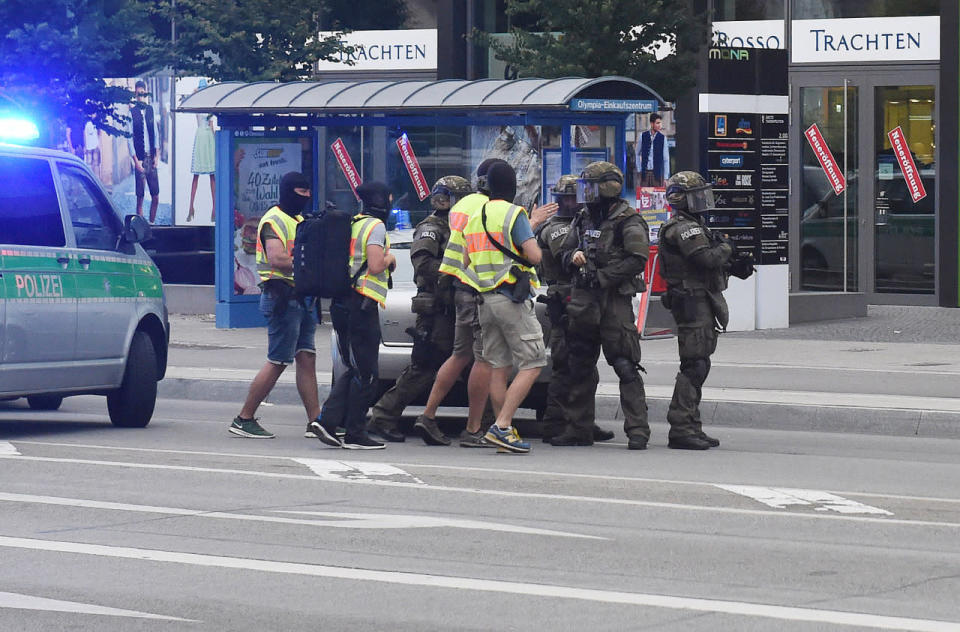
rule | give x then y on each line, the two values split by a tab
741	266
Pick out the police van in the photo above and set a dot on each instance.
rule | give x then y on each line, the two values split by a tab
81	304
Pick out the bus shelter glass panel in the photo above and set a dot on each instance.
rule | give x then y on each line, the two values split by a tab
258	164
828	221
904	189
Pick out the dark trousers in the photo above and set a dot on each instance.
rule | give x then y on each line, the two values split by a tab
697	340
357	324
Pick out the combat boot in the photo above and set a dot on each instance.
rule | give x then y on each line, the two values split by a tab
599	434
688	442
713	442
387	429
570	438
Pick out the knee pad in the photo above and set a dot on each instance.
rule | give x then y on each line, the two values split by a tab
626	370
696	370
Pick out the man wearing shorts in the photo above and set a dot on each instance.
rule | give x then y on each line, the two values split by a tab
291	324
495	254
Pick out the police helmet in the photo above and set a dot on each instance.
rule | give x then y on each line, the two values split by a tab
447	191
565	195
599	180
689	191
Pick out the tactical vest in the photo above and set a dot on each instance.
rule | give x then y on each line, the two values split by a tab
677	269
286	229
486	267
607	241
550	238
429	242
370	285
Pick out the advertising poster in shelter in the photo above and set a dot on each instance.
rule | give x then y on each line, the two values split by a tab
259	164
519	145
146	189
195	153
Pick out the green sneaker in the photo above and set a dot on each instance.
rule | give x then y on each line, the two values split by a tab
249	428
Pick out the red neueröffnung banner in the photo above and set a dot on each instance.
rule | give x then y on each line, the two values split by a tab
346	165
413	168
827	161
909	168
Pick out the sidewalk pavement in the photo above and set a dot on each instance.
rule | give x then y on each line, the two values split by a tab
897	372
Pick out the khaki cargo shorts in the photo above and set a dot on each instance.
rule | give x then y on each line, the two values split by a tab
467	339
511	333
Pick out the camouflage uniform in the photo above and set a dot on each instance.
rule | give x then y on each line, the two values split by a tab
434	306
615	240
694	262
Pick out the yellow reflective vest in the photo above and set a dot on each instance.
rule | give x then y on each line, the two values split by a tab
472	257
371	285
286	228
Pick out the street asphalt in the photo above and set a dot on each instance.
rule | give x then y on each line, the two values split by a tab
894	372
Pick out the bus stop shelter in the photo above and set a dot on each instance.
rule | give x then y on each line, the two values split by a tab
406	134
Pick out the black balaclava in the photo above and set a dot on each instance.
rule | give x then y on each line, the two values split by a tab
291	202
482	169
376	199
502	181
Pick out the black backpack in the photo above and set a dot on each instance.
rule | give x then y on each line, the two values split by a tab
321	255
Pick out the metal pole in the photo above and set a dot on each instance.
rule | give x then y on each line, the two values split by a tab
846	178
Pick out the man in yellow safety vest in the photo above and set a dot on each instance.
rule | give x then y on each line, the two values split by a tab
291	325
357	322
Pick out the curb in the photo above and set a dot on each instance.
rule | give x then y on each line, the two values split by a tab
735	414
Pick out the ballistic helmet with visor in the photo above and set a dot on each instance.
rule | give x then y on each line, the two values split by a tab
689	191
447	191
565	195
599	180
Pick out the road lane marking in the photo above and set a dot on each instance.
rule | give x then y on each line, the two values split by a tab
783	497
737	608
400	521
340	521
358	470
502	493
467	468
29	602
8	448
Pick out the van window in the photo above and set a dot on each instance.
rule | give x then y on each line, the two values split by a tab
29	210
95	225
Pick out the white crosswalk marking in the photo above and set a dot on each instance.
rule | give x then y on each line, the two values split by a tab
29	602
783	497
8	449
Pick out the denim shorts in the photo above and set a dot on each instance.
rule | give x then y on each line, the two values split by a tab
291	332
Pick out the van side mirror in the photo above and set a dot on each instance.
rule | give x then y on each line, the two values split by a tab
135	229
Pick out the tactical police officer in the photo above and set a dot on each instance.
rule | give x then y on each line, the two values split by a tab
606	252
695	262
433	305
550	238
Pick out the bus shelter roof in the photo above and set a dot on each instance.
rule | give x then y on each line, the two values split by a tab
413	96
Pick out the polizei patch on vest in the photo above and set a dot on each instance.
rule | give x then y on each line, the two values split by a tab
563	230
429	234
691	232
595	234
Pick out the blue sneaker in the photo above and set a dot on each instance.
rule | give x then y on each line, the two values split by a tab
506	439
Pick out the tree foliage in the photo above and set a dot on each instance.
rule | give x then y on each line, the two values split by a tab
594	38
54	54
257	40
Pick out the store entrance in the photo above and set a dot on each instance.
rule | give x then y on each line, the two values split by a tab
864	173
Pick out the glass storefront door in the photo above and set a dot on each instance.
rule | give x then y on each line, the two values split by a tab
875	234
828	188
904	184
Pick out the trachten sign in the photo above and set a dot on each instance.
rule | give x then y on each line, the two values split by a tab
404	49
825	156
413	168
847	40
909	168
346	165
